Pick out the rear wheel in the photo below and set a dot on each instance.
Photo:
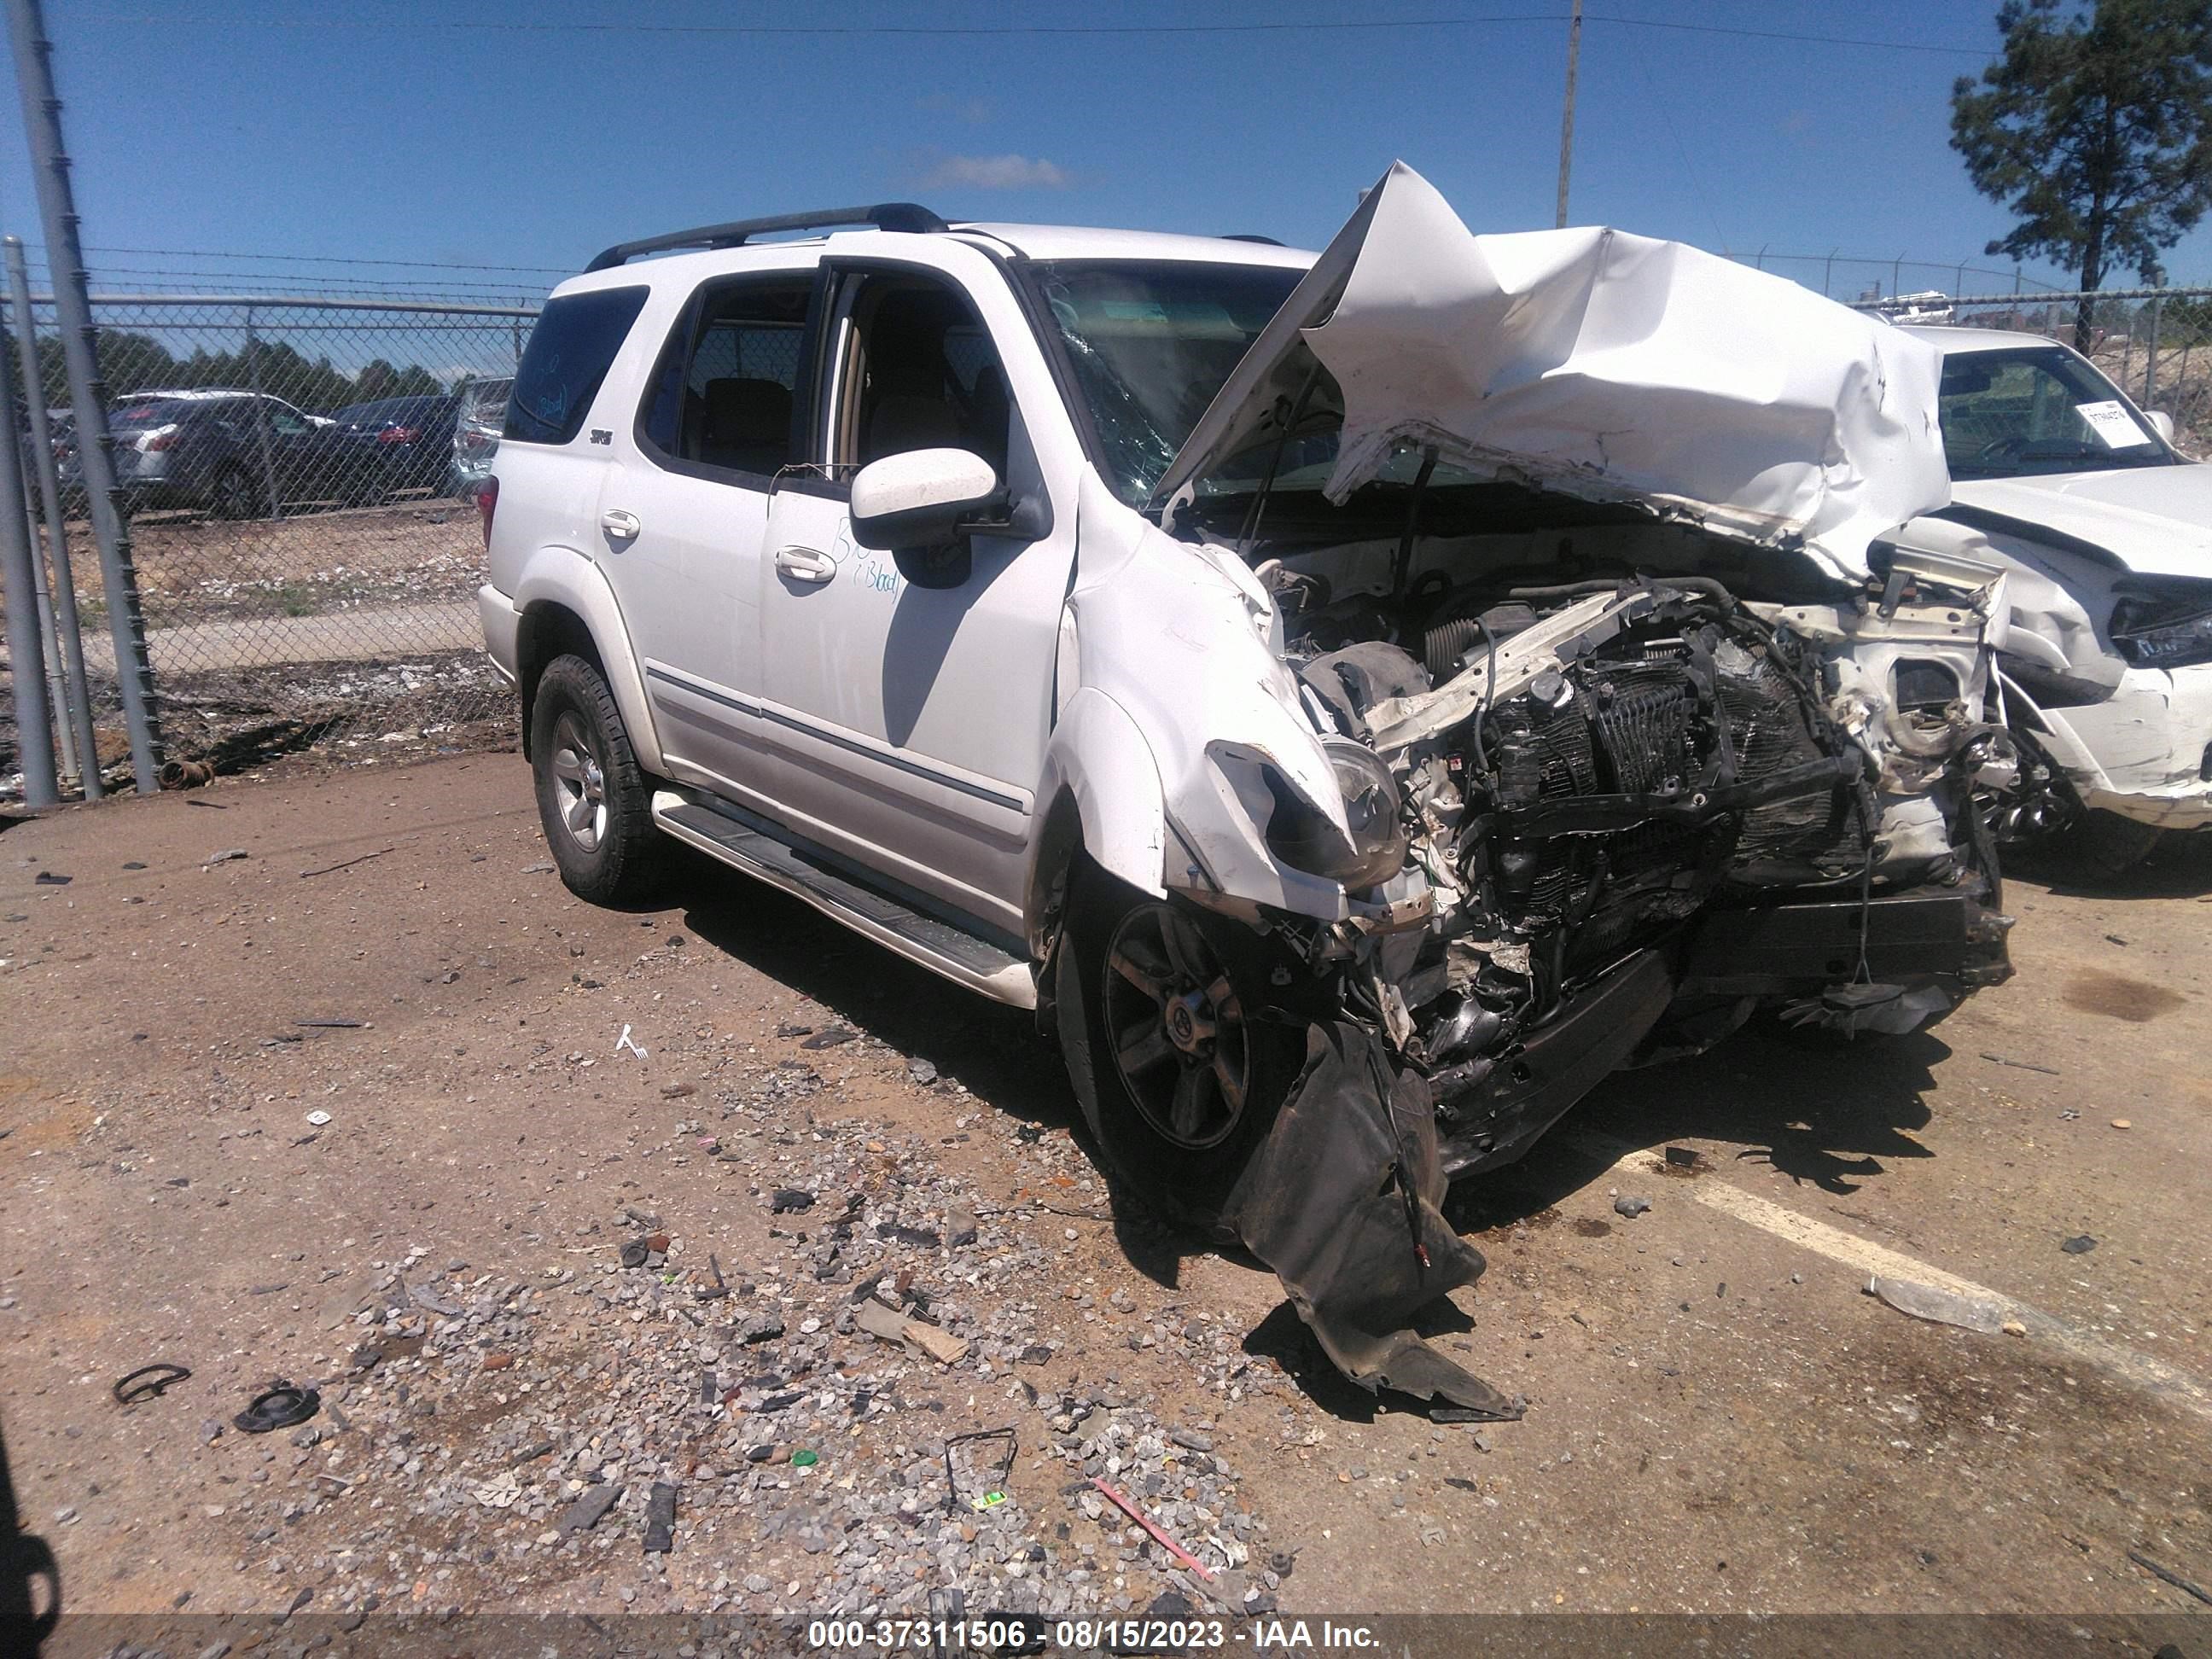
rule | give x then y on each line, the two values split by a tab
233	496
1178	1073
593	801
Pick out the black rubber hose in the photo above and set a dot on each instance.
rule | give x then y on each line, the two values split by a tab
1446	643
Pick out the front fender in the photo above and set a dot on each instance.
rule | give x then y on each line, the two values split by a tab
561	576
1099	761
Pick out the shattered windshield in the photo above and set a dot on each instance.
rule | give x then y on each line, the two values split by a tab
2039	409
1149	344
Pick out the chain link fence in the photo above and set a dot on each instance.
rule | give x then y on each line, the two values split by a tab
298	474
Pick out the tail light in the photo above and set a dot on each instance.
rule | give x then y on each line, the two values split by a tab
399	434
160	438
487	504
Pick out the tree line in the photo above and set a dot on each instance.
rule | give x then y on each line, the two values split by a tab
132	362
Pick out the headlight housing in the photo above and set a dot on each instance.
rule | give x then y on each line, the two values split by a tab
1305	839
2164	626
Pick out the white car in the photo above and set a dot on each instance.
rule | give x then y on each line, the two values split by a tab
2106	653
1357	700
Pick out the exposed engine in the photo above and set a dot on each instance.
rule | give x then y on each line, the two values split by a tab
1563	779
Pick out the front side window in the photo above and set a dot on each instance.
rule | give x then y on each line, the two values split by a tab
921	372
2039	409
569	353
725	393
1150	345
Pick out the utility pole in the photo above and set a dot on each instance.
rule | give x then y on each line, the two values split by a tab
1567	116
42	122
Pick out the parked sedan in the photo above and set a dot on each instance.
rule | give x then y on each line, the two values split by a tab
2105	657
229	453
411	439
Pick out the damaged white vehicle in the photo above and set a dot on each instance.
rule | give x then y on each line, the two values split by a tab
2106	531
1359	702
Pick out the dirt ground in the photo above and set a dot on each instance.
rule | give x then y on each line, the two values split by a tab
1720	1418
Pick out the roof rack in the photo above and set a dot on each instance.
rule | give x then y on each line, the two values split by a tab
884	215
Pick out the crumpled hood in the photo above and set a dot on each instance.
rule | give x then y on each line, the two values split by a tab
2155	521
1602	365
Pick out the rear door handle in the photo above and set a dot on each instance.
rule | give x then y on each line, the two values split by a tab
806	565
623	526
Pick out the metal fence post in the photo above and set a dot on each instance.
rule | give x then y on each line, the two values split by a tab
2150	368
42	123
35	738
49	646
261	418
77	701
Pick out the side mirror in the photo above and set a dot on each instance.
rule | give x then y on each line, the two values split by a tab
920	498
2160	423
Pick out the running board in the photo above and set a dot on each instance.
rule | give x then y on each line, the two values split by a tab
959	955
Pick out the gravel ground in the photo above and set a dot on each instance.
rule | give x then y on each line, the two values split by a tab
539	1276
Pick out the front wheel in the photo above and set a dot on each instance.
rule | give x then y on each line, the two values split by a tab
234	496
2105	845
1175	1064
593	799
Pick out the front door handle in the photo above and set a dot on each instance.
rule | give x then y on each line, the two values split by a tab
806	565
622	526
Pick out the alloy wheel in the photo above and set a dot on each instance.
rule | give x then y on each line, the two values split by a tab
579	783
1177	1028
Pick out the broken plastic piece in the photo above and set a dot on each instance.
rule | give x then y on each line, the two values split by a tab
1341	1200
1158	1537
1938	1307
278	1406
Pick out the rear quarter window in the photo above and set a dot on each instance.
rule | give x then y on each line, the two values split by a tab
576	338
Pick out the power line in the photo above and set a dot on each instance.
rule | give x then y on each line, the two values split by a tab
1028	30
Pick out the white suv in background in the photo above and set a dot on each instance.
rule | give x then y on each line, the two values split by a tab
2106	664
1384	681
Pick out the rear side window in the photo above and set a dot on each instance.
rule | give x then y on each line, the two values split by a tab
576	338
727	390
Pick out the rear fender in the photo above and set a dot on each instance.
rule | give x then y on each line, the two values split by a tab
561	577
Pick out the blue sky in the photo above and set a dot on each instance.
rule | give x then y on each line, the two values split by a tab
243	127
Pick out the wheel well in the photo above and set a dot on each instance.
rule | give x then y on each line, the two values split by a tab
1060	844
549	630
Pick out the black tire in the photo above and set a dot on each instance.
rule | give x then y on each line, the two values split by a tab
1184	1165
593	801
234	496
2103	844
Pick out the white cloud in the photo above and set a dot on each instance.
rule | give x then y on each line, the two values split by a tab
997	172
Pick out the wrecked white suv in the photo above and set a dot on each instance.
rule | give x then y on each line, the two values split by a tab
1360	701
2106	666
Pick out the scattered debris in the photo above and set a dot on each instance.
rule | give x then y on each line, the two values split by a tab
660	1519
1158	1537
148	1382
537	869
788	1200
624	1042
319	1117
2080	1244
332	1024
1682	1157
48	878
343	864
993	1491
1631	1207
185	774
2170	1577
922	1071
593	1504
830	1038
226	856
1938	1307
2022	1065
280	1405
2122	1123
